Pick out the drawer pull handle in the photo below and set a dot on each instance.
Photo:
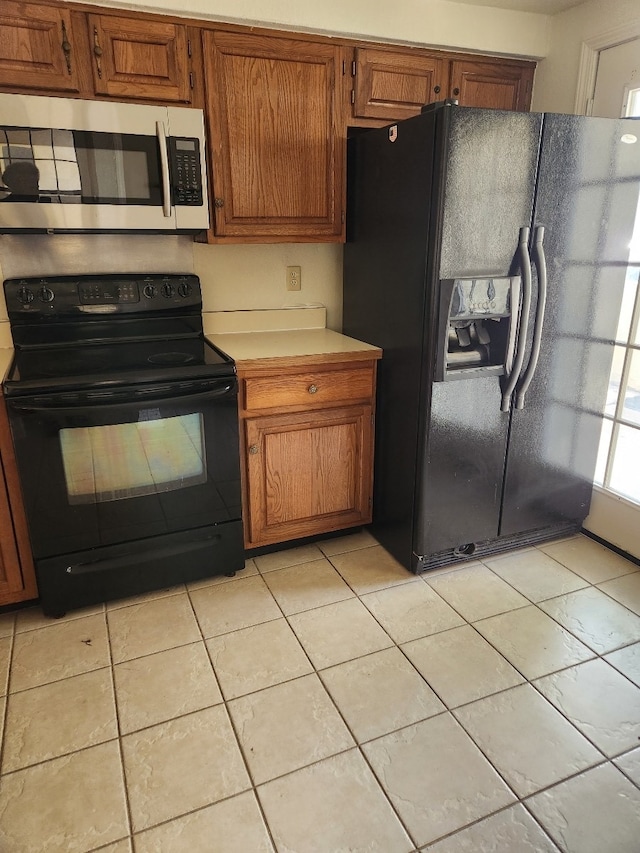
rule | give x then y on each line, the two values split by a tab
313	389
253	449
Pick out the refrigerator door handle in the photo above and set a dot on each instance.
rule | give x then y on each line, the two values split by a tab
540	261
525	268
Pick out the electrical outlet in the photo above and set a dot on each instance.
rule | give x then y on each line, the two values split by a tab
294	278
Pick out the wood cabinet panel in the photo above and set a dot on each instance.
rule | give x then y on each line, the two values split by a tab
277	142
312	388
142	59
17	573
307	457
394	84
38	48
308	473
391	85
498	85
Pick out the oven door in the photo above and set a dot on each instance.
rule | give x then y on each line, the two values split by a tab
112	474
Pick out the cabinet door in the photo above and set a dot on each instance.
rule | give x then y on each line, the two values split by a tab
135	58
37	49
499	85
17	575
307	473
391	85
277	142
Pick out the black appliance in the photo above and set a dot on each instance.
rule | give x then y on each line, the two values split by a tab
124	421
486	254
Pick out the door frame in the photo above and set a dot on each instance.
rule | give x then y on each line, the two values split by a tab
588	67
611	517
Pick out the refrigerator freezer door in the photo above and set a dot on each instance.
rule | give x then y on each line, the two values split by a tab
587	197
486	197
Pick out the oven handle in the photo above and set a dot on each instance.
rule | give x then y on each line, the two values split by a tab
113	398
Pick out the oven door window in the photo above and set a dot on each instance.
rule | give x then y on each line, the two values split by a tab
120	461
79	167
95	475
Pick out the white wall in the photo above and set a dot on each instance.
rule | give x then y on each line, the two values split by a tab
438	23
557	75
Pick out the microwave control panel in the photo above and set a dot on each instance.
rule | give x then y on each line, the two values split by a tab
186	171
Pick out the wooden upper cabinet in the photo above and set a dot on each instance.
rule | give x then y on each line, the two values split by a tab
38	50
137	58
393	85
498	85
276	130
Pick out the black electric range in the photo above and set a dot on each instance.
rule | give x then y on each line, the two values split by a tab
124	421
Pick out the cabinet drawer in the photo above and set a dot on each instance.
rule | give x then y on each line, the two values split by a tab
310	388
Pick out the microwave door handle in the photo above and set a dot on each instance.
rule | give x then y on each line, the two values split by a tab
164	168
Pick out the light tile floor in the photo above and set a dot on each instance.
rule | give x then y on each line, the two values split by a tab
327	700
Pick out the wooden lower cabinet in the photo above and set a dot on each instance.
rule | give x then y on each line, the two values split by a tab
17	574
307	451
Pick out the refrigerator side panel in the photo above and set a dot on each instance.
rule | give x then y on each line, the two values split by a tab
487	197
586	200
384	303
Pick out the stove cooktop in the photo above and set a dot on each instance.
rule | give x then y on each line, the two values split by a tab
80	332
96	365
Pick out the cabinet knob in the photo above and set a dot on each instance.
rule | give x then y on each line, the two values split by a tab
436	89
253	449
218	202
313	389
456	91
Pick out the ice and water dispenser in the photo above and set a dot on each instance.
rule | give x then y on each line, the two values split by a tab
478	320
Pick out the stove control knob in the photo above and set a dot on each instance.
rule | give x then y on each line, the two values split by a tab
150	291
25	296
46	294
168	290
184	289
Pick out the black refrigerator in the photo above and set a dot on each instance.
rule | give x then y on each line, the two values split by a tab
486	254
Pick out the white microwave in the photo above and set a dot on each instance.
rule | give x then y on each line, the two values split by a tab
68	165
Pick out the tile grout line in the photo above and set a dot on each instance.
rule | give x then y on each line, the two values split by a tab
230	719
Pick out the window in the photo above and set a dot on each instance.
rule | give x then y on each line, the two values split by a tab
619	456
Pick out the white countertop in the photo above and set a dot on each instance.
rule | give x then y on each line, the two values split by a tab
297	343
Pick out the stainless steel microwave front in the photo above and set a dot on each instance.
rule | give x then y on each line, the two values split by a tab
75	165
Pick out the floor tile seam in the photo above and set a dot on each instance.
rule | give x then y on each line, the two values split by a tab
312	560
579	639
318	606
479	820
224	633
466	618
56	623
119	663
521	798
124	603
567	718
597	586
58	680
166	822
387	797
3	720
528	597
380	589
123	772
548	615
109	845
51	758
634	782
530	679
